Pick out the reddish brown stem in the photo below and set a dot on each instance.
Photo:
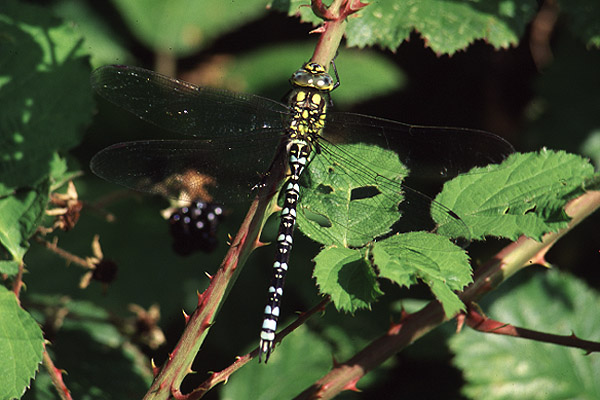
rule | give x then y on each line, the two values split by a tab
333	28
223	375
17	283
56	377
542	28
69	257
484	324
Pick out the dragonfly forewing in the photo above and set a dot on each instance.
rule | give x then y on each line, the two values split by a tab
184	108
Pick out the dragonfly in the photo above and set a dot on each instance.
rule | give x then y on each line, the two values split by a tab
234	138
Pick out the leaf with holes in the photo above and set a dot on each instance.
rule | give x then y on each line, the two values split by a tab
340	205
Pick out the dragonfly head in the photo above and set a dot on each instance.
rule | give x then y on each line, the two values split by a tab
312	75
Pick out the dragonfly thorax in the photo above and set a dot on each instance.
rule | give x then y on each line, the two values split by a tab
309	108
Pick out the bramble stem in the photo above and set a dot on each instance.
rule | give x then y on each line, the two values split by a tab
484	324
515	257
56	377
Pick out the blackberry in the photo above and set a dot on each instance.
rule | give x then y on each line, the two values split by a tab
194	227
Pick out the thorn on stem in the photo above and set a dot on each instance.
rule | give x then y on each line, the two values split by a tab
351	385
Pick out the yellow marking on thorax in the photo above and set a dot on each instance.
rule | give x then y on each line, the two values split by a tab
309	115
316	99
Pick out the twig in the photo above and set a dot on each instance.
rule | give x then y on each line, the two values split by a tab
484	324
542	28
17	283
69	257
56	377
223	375
333	28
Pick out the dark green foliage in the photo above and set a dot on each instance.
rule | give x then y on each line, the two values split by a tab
46	106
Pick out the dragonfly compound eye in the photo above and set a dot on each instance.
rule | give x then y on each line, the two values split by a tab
312	77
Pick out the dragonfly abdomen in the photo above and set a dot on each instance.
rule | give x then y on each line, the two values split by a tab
299	152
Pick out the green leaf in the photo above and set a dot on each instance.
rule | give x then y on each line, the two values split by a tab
21	347
22	211
524	195
383	76
59	173
45	96
340	205
88	317
446	26
591	147
20	214
351	282
439	263
502	367
45	101
185	26
101	37
346	277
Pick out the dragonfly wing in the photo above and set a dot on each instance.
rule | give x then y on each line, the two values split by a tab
355	193
185	108
352	146
428	152
207	170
